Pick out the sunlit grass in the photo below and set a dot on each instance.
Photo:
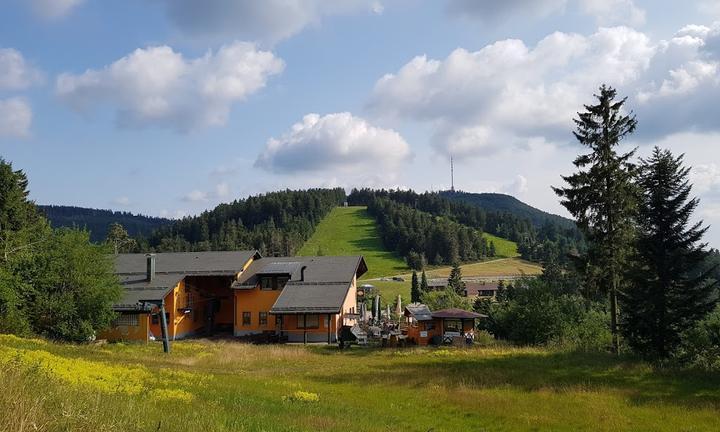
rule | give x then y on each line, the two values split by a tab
217	386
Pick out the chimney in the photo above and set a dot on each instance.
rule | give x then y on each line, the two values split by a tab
150	267
302	273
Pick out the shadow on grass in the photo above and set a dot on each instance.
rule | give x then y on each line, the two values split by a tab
561	371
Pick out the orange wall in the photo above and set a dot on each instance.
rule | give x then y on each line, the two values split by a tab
128	333
254	301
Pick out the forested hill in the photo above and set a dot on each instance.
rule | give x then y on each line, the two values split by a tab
276	223
97	221
509	204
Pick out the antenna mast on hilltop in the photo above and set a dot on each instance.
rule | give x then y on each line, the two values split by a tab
452	176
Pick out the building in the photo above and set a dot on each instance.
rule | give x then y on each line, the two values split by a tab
482	289
235	293
442	326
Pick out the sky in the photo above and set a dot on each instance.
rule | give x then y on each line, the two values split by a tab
169	107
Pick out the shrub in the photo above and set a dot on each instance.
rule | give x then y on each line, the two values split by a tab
302	397
700	345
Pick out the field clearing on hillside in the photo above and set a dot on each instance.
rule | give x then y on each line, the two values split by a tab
223	386
492	268
503	248
352	231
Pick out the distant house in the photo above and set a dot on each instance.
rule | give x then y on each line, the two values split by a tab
240	293
437	284
483	289
443	325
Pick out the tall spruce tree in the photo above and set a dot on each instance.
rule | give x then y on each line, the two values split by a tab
668	293
455	281
602	194
415	293
423	283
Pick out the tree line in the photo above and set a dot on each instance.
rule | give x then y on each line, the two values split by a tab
276	223
53	282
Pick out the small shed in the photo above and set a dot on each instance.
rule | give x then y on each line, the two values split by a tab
422	324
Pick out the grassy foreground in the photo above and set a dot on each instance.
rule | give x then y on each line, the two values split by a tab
219	386
352	231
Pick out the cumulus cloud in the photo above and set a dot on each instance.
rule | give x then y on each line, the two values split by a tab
15	117
332	142
54	9
157	86
506	94
15	72
267	21
607	12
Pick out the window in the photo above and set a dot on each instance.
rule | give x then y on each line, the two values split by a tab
278	321
156	318
262	318
247	318
281	281
127	320
453	325
487	293
308	321
266	283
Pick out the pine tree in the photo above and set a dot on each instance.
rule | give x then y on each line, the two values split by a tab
415	288
492	249
423	283
501	294
601	195
455	281
668	293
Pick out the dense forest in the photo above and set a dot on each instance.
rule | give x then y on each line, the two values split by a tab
543	241
276	223
98	221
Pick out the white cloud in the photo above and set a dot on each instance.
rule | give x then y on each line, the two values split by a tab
222	190
54	9
15	117
15	72
606	12
267	20
507	94
157	86
196	196
518	187
122	201
338	141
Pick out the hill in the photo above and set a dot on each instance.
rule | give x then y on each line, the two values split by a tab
502	203
97	221
352	231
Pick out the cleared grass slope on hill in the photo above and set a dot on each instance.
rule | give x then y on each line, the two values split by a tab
230	386
352	231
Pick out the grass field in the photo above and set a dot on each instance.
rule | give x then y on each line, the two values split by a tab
503	248
492	268
229	386
352	231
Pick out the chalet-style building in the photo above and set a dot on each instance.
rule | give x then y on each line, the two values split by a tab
484	289
240	293
442	326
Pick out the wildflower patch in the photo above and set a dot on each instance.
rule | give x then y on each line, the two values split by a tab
302	397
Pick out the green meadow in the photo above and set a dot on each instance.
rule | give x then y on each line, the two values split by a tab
231	386
352	231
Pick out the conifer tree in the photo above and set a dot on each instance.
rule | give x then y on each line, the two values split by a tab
455	281
668	293
492	249
415	288
423	283
601	195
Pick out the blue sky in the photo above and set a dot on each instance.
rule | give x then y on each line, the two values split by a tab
168	107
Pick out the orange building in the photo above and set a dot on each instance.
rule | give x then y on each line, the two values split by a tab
240	293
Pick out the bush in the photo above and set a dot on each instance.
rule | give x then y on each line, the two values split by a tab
537	314
700	345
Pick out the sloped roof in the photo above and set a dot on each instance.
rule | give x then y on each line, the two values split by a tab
170	269
418	311
217	262
474	288
311	297
454	313
317	269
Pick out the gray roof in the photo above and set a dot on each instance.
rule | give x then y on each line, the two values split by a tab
322	269
170	269
311	297
418	311
218	263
